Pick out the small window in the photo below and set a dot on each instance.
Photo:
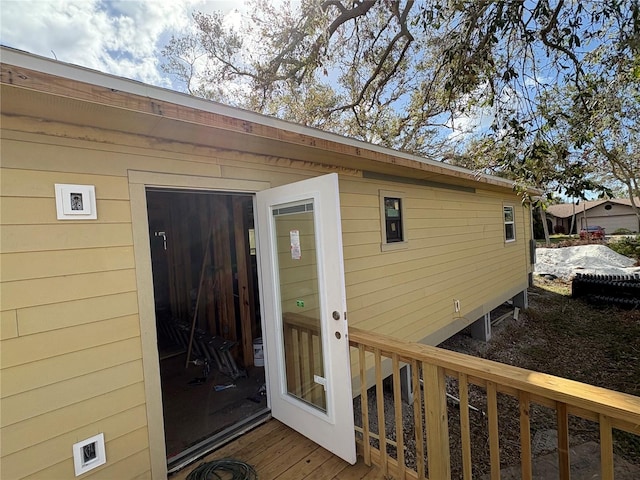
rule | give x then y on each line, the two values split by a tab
392	220
509	224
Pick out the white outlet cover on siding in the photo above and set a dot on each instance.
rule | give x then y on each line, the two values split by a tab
76	202
89	454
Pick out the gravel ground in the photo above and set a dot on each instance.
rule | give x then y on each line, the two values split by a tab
556	335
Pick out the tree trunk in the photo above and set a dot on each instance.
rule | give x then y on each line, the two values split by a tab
545	227
573	218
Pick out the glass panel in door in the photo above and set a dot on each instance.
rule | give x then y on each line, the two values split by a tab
300	302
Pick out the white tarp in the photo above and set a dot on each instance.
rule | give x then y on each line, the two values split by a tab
565	262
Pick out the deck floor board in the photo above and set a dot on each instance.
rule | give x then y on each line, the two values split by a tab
280	453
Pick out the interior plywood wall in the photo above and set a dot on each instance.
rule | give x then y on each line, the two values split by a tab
204	253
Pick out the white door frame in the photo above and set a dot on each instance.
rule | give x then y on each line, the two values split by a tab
139	181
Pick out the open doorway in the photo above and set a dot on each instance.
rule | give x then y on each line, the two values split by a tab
207	317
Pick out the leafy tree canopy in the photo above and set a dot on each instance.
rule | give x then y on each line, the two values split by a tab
402	73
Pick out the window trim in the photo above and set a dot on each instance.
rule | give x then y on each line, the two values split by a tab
506	222
391	246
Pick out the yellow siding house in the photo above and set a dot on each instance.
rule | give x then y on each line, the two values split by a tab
129	212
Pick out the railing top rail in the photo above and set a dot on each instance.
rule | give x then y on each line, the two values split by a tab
614	404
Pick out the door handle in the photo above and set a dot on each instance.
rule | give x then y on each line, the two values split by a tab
336	315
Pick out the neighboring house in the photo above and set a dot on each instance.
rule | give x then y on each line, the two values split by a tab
111	192
611	214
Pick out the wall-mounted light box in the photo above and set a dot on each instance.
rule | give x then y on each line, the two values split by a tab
76	202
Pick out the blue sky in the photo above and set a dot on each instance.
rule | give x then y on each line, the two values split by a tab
121	37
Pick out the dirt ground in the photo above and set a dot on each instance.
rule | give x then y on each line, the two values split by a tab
556	335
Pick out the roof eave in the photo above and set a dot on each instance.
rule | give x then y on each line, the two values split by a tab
131	96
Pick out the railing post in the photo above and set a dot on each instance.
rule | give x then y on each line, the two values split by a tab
435	396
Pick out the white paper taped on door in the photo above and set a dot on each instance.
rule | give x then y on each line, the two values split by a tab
294	236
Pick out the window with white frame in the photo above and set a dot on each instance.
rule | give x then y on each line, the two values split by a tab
509	224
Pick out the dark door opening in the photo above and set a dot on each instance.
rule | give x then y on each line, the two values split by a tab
207	318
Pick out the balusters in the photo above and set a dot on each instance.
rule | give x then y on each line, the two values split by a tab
417	419
364	405
435	400
494	443
465	431
525	436
380	404
397	405
563	440
606	448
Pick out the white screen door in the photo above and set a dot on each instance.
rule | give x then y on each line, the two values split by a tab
304	308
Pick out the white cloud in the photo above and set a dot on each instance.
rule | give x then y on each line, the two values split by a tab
472	122
122	37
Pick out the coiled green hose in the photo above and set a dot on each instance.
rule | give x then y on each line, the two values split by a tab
213	470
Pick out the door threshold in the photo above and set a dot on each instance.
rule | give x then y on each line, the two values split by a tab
203	448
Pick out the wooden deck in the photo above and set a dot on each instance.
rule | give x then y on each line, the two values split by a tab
278	452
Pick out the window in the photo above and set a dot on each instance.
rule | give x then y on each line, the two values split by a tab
509	224
392	220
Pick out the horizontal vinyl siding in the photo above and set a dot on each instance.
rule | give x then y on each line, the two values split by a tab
33	292
22	406
28	376
456	250
8	324
17	182
71	356
63	236
44	318
57	263
97	158
30	211
124	458
20	436
46	454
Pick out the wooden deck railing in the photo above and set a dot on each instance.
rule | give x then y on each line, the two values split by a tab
435	368
433	372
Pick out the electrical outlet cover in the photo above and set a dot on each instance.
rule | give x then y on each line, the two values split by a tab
75	202
89	454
